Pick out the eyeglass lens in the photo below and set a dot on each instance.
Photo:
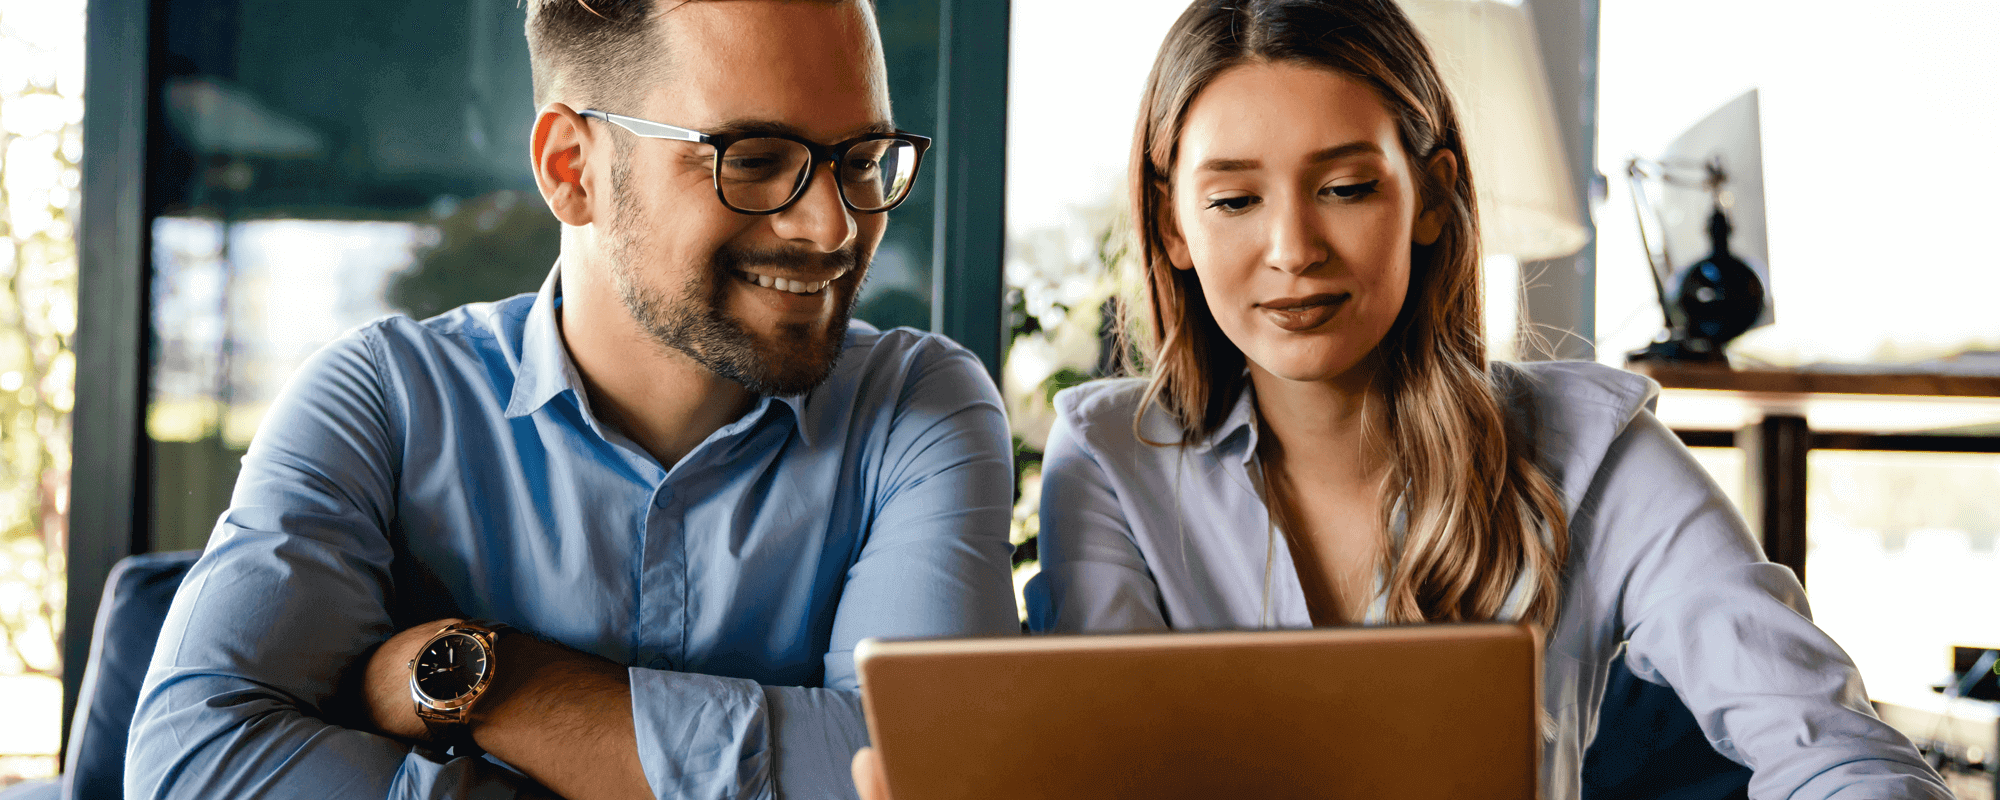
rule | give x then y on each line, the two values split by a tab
763	174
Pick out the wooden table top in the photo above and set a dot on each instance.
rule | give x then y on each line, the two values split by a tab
1802	381
1713	397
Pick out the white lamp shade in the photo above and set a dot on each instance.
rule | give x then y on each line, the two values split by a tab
1487	53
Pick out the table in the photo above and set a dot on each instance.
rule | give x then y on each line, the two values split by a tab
1963	736
1778	417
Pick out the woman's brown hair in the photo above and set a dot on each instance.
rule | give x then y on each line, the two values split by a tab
1479	512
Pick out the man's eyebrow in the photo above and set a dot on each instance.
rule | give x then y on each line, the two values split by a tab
1335	152
768	126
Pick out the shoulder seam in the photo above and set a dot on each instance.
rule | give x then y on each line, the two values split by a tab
398	425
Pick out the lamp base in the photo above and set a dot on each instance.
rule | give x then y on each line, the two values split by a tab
1679	349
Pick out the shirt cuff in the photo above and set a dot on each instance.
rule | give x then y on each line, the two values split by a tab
430	775
701	737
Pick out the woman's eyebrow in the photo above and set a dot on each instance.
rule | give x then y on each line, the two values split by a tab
1335	152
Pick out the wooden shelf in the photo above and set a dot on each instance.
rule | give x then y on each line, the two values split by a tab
1803	382
1711	398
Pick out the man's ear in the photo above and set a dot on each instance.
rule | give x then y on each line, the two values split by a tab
1443	171
558	150
1169	224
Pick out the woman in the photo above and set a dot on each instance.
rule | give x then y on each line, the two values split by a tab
1322	440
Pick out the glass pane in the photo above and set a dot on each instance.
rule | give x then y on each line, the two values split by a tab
321	164
1836	218
1067	149
324	164
899	281
1066	158
1901	562
41	137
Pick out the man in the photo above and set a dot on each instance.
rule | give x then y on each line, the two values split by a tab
675	472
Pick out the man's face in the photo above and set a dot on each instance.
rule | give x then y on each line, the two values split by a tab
723	287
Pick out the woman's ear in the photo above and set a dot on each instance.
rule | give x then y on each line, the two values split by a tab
558	152
1168	223
1443	171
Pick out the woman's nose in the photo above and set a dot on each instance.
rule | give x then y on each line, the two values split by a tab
1296	241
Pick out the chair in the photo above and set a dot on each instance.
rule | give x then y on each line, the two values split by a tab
136	596
1649	746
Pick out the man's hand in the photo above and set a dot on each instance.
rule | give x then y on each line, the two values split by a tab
868	778
386	687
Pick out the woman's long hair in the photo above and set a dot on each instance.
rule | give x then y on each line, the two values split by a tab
1479	512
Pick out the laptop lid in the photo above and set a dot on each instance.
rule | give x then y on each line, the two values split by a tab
1425	711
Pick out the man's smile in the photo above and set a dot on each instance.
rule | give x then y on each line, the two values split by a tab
784	284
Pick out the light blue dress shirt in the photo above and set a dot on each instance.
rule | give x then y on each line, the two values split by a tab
452	467
1136	536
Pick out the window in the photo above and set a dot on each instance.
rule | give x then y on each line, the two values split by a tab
41	111
1869	205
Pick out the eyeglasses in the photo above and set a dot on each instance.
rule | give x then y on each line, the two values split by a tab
765	173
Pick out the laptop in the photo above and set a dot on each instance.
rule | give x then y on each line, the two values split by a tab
1410	712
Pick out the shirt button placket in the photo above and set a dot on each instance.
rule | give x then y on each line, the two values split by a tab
661	599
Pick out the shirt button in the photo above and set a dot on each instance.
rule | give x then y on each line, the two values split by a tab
663	498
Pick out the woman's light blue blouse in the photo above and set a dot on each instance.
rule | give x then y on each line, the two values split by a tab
1138	536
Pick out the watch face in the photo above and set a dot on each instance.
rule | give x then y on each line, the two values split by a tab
450	667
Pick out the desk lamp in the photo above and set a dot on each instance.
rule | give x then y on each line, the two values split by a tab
1717	298
1489	58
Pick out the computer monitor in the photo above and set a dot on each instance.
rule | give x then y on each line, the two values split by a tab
1731	135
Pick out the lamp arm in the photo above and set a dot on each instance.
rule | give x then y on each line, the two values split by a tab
1642	207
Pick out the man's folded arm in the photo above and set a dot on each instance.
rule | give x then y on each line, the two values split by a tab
935	562
244	697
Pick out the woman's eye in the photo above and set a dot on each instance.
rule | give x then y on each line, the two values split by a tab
1352	191
1231	205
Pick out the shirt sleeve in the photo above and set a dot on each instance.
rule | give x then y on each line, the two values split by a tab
1093	576
935	562
1702	611
244	697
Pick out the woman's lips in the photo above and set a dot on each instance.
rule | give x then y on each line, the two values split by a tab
1303	313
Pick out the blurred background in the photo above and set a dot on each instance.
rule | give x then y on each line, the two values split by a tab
263	175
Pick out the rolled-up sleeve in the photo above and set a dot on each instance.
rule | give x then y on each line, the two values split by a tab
1703	612
244	695
934	563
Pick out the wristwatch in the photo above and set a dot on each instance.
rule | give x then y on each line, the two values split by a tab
448	676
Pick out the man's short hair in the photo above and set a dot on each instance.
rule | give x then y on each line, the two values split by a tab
592	52
597	53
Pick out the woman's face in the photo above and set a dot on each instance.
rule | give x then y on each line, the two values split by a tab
1294	203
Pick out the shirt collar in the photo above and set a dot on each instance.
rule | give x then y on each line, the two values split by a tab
546	369
1238	428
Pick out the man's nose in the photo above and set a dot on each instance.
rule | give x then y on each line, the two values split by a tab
819	219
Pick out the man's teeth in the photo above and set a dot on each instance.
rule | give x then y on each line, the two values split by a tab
787	284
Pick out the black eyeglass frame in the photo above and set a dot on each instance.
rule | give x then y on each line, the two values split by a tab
821	154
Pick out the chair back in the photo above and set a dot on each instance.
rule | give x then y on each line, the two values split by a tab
1649	746
136	596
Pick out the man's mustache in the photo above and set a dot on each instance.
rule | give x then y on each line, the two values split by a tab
788	258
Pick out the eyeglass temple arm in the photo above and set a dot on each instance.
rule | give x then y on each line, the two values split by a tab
650	130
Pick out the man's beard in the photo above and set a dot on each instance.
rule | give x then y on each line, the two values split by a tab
695	323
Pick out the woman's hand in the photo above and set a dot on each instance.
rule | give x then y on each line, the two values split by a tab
868	777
